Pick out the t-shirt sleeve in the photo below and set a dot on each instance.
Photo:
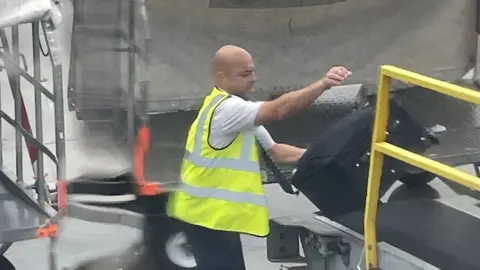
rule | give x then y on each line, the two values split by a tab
235	115
264	137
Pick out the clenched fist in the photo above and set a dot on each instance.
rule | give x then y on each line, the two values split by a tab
335	76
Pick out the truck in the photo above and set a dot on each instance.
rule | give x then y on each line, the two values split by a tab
129	69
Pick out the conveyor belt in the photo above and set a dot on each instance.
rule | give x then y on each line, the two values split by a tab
430	230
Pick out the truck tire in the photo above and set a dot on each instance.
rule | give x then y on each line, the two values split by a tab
167	243
417	179
178	252
5	264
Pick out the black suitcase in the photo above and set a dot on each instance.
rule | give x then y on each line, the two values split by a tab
333	172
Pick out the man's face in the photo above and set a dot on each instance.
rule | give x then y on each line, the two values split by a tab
241	77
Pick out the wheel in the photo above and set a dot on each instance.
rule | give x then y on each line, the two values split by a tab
5	264
417	179
178	250
167	243
174	256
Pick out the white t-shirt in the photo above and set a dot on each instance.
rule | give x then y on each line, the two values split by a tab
233	116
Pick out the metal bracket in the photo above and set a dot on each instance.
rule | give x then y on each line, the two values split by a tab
362	265
343	249
282	244
328	246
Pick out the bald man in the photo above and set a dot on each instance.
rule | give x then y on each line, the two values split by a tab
221	195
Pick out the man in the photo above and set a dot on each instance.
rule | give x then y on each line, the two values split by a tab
221	194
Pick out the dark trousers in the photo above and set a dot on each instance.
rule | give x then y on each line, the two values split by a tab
216	250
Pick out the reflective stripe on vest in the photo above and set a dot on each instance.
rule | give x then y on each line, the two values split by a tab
227	195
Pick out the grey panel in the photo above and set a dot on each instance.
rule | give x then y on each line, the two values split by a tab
295	46
291	46
269	3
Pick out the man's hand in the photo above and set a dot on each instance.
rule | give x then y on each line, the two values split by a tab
294	101
335	76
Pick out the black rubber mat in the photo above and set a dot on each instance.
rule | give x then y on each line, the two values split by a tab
432	231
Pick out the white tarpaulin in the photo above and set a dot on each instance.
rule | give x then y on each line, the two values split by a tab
14	12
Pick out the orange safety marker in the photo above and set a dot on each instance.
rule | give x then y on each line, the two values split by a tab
141	147
62	196
49	230
150	189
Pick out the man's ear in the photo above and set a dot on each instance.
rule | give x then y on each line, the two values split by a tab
220	76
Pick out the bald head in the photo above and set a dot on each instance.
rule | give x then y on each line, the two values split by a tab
229	56
233	69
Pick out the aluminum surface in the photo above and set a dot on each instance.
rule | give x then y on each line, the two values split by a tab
291	46
460	142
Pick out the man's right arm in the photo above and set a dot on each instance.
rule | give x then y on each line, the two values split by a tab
294	101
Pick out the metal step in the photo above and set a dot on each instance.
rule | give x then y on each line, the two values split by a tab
20	215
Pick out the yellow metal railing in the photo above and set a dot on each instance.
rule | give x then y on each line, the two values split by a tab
381	148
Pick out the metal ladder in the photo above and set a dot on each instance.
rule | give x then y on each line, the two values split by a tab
10	56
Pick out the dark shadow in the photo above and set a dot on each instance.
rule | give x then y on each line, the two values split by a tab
462	190
404	192
5	264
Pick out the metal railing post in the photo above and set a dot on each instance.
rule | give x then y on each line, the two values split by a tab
375	171
38	167
18	106
476	70
58	103
1	124
131	73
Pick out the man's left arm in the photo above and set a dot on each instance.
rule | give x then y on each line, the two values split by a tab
281	153
286	154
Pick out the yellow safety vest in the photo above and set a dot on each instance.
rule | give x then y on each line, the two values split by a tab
220	189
